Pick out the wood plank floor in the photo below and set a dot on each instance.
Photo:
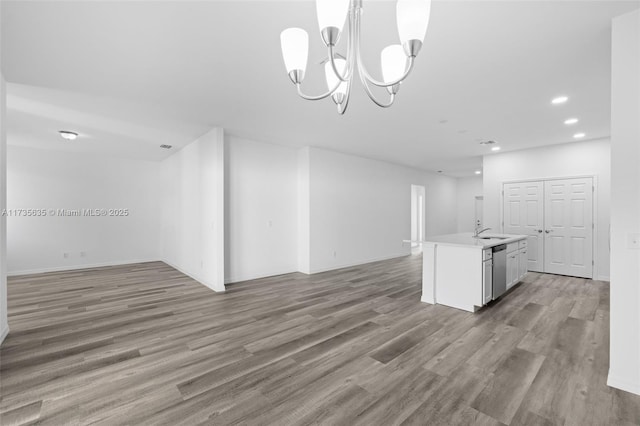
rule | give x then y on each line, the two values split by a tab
143	344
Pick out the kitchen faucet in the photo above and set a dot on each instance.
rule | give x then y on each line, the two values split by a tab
478	231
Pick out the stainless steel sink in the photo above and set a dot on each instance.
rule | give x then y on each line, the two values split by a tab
493	238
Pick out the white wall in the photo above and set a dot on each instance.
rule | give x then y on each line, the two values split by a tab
572	159
303	211
624	369
193	210
52	180
261	207
468	189
4	324
360	209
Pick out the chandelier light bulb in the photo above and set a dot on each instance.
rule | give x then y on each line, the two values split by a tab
332	13
413	19
394	62
332	79
295	50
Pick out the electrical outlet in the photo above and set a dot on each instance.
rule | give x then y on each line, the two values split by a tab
335	254
83	254
633	241
270	224
65	255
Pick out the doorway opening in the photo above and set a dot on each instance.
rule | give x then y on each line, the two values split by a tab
478	217
417	217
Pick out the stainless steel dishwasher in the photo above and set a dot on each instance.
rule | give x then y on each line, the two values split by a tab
499	281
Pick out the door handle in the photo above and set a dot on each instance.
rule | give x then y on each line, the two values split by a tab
548	230
539	231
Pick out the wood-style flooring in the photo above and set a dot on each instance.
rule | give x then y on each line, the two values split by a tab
143	344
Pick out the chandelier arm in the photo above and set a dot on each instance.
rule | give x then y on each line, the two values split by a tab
350	45
362	69
375	82
392	99
369	93
342	108
318	97
348	69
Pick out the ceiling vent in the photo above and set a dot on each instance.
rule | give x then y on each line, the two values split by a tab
487	142
165	146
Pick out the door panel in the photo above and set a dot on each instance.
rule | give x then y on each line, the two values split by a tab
522	263
514	213
531	215
577	252
554	249
534	252
524	214
568	246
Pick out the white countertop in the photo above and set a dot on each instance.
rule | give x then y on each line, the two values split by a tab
466	239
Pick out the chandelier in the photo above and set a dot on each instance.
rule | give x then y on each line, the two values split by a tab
396	60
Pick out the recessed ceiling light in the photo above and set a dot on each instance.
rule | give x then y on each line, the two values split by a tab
478	172
559	100
579	135
66	134
571	121
495	148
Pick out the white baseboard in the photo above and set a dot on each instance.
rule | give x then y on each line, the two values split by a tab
603	278
104	264
76	267
362	262
427	300
248	277
4	334
623	384
201	280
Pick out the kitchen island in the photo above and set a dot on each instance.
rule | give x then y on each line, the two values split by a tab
467	272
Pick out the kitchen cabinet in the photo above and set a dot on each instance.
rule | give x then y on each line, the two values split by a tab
513	262
517	262
487	277
522	263
466	272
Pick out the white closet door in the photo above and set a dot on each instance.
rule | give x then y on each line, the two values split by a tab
524	214
568	247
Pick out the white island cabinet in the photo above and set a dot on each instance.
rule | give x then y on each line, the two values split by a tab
459	270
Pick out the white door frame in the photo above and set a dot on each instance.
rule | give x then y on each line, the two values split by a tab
418	221
594	207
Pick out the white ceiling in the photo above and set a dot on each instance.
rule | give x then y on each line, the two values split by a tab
130	76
